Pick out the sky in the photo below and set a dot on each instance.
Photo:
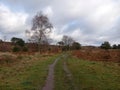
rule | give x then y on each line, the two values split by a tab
89	22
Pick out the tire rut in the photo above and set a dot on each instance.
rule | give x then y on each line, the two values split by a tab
69	74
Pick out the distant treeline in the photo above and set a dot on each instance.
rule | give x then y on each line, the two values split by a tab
107	45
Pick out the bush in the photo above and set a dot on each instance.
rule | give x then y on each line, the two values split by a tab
118	46
65	48
106	45
25	49
76	46
16	49
18	41
114	46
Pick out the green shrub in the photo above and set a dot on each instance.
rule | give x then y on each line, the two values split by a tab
76	46
16	49
65	48
25	49
106	45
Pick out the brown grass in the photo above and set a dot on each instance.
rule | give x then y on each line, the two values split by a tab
7	58
98	55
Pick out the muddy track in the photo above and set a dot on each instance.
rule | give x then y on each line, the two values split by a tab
49	85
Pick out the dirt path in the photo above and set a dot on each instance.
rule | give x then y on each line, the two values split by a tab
50	78
69	74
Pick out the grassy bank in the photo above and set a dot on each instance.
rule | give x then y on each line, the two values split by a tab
91	75
27	73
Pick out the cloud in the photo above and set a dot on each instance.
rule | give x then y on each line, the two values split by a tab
48	11
87	21
95	19
12	22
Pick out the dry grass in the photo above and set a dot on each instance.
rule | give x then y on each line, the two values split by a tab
7	58
98	55
28	72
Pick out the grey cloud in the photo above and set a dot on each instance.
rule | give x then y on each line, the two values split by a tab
30	6
93	21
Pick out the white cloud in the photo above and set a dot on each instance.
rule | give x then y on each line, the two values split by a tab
99	16
104	16
97	20
48	11
12	22
55	36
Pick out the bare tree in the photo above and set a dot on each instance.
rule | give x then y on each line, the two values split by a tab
64	39
68	41
41	27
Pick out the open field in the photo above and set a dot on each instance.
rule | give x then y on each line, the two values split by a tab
26	73
92	75
29	72
87	75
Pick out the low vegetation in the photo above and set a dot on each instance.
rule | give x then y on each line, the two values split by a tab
7	58
27	73
87	75
92	75
98	55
